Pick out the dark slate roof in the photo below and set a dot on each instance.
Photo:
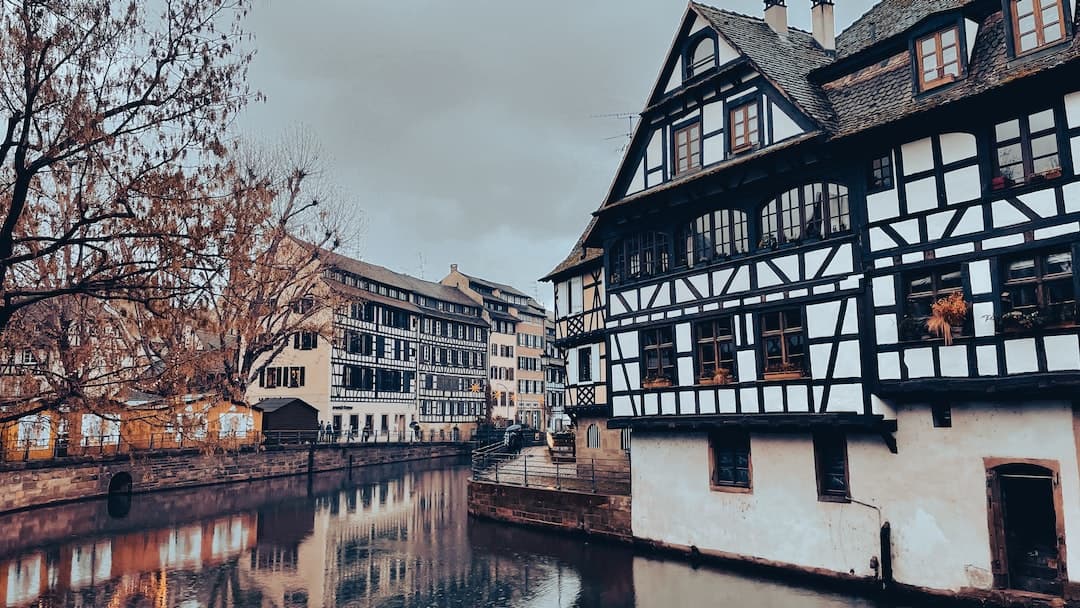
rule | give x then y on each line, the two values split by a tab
275	404
579	255
786	61
879	95
886	19
493	285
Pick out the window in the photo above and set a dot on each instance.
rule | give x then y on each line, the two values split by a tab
743	125
881	174
701	57
939	58
640	255
1036	23
1026	149
303	306
712	236
274	377
715	344
305	340
814	211
624	440
830	458
730	460
358	378
688	148
784	342
1038	289
592	439
658	354
942	415
924	288
585	364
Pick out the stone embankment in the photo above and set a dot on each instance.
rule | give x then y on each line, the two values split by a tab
39	483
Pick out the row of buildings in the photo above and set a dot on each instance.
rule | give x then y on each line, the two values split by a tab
832	292
447	355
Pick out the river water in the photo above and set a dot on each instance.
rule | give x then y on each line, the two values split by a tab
386	536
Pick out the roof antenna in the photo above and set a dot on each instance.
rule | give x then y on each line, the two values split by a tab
630	117
421	255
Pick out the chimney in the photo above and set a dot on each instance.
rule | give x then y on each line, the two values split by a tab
453	267
821	13
776	16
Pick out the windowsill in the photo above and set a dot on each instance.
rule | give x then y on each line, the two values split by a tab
783	376
933	341
1035	53
1037	182
833	498
716	487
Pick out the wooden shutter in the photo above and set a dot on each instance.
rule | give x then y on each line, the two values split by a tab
999	564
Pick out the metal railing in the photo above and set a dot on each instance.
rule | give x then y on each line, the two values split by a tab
594	475
63	446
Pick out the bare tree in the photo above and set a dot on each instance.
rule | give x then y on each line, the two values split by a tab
112	127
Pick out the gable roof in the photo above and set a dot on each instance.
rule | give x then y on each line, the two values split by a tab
886	19
276	403
786	61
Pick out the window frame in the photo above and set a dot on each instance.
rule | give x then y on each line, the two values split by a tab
640	255
821	440
881	183
738	443
660	346
936	293
584	362
1025	139
706	239
734	147
593	431
692	68
776	213
715	342
1013	24
690	128
924	85
1040	281
782	333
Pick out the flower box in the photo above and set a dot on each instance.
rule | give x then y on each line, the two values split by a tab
651	383
785	375
1052	173
715	379
1000	183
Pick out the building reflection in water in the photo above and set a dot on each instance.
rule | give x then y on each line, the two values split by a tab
393	536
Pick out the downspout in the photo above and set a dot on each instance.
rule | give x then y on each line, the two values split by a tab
882	566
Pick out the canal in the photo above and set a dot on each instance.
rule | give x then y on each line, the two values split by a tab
393	536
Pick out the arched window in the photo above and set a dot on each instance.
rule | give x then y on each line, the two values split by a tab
712	236
592	438
640	255
700	57
814	211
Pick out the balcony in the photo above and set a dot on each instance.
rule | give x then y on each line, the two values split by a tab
581	328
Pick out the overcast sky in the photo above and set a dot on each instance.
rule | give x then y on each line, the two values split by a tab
469	131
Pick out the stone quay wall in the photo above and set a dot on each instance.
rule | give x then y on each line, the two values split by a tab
602	515
39	483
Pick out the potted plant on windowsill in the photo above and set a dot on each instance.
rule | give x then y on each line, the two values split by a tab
1017	321
721	376
1000	183
948	314
783	371
651	382
912	329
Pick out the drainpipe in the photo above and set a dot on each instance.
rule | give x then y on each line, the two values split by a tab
883	565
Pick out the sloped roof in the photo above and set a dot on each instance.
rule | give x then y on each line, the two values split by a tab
886	19
884	95
579	255
786	61
493	285
276	403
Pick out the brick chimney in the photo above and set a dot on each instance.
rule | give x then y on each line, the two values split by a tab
821	13
453	267
776	16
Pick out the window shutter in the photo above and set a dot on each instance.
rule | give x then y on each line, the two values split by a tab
302	376
314	340
595	349
262	377
296	340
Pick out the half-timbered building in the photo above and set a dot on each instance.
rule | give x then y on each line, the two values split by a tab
403	350
840	311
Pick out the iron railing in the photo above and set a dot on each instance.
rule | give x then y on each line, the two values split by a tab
62	446
595	475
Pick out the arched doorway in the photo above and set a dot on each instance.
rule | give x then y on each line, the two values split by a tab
119	501
120	484
1027	527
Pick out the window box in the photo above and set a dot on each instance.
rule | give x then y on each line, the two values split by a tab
654	383
1000	183
722	376
774	376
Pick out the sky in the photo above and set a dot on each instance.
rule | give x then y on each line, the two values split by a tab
471	132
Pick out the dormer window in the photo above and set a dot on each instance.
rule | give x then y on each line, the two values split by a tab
701	57
743	126
1036	23
939	58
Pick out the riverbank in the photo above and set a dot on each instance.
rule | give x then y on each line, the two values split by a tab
35	484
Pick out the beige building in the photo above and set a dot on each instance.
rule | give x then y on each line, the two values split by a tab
516	347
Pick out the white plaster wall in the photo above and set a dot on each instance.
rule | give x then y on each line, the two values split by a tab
933	493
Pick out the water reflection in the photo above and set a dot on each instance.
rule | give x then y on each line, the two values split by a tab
391	536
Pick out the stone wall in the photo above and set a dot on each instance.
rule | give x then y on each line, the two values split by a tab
592	514
38	483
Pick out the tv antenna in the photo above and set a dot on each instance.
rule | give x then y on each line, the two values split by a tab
629	117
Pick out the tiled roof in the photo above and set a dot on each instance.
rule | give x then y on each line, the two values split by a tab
884	93
886	19
786	61
579	255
